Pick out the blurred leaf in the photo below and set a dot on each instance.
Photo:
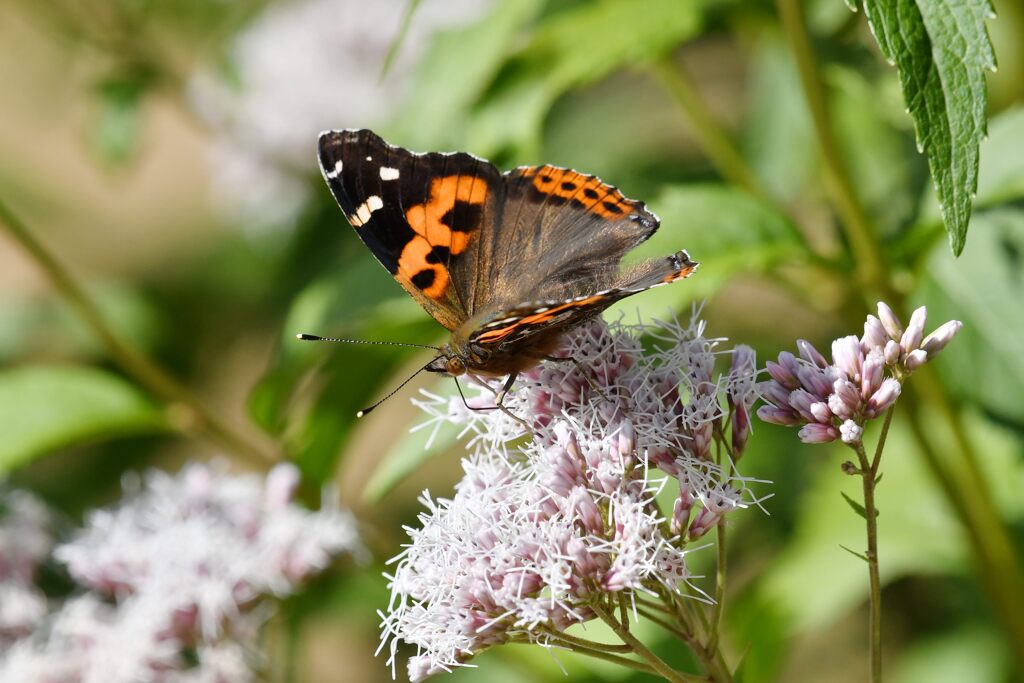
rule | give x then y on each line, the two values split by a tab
727	230
455	71
984	289
410	10
778	138
410	452
570	48
941	50
968	653
311	394
119	121
880	156
43	408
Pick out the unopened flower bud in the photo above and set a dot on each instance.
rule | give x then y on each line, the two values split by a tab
740	428
847	356
884	397
821	412
778	416
892	352
811	354
889	321
937	340
915	359
801	401
782	375
850	431
818	433
872	373
845	399
874	334
911	339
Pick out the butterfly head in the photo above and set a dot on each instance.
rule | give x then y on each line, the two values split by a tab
450	362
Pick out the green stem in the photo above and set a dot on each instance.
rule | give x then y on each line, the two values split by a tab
639	648
716	615
559	639
993	551
592	644
868	475
711	660
870	263
130	360
711	137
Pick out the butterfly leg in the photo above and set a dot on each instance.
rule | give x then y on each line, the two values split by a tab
587	374
498	401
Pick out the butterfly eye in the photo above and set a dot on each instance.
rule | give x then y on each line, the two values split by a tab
456	366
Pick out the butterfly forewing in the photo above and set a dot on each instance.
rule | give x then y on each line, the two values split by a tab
421	215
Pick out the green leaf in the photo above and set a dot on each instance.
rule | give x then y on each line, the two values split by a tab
44	408
857	507
941	50
966	652
569	49
726	229
859	556
410	452
984	289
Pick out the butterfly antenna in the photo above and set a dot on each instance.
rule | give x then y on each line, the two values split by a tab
394	391
312	337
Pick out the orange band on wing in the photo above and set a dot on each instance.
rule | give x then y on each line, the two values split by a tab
536	319
434	220
589	191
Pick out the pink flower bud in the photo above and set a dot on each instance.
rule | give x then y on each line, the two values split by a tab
848	357
850	431
811	354
740	428
774	393
892	352
915	359
680	516
801	401
889	321
840	408
782	375
821	412
818	433
816	381
911	339
778	416
874	334
846	393
872	373
937	340
884	397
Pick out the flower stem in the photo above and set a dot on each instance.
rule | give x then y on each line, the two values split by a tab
559	639
639	648
130	360
869	478
710	659
716	615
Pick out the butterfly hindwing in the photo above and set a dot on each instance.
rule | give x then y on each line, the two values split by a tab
525	324
421	215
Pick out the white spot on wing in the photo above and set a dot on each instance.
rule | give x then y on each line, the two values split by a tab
365	210
337	170
388	173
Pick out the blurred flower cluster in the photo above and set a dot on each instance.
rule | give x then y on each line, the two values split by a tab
180	577
25	543
834	399
539	535
302	67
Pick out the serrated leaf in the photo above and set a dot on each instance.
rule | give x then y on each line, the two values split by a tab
941	50
857	507
43	408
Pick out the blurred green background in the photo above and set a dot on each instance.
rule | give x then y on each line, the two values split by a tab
165	153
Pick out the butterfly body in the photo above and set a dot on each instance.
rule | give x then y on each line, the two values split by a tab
507	262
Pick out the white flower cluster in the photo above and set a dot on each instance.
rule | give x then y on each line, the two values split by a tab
180	577
302	67
536	533
25	542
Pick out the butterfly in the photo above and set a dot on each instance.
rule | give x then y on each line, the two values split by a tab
507	262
